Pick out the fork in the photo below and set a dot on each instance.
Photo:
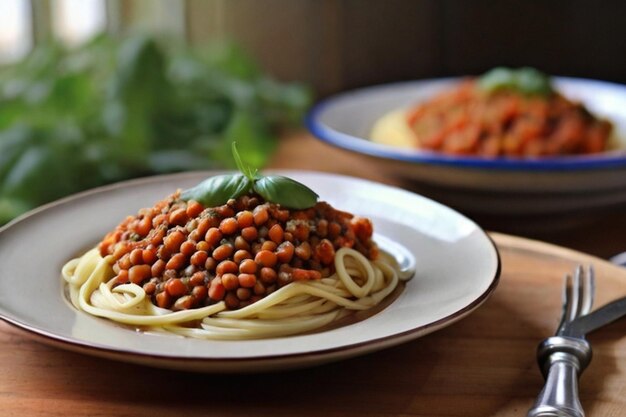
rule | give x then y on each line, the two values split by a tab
563	359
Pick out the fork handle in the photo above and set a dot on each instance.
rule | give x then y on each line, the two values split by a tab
562	360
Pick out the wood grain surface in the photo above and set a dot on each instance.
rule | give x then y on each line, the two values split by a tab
481	366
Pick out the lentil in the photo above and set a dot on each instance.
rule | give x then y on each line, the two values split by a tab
185	255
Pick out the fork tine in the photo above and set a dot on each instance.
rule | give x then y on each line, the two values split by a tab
589	293
575	294
567	301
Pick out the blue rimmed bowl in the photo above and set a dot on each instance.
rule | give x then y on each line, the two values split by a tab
483	185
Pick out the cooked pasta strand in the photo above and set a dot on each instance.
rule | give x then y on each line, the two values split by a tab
298	307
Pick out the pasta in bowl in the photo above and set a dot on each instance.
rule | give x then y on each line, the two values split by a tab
504	113
498	184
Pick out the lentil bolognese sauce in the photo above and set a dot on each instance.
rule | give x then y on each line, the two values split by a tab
249	268
467	120
504	113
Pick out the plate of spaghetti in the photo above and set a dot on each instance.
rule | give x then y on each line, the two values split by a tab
509	142
241	272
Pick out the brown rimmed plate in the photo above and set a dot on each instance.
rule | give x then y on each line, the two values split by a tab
457	269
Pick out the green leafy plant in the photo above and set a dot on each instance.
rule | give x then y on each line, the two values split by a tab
112	110
277	189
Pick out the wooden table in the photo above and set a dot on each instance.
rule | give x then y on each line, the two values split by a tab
481	366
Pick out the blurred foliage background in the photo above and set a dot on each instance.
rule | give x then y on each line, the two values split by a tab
119	107
169	82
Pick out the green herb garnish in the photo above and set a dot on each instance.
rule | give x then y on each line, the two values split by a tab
525	80
218	190
273	188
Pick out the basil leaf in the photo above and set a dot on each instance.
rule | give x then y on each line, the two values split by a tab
532	81
499	78
523	80
286	192
217	190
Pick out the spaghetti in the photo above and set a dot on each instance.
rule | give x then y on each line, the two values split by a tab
321	265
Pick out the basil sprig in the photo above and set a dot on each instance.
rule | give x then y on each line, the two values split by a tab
525	80
218	190
277	189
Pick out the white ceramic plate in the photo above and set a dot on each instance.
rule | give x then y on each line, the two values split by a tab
516	186
457	269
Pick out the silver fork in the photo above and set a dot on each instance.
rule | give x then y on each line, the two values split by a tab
562	359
